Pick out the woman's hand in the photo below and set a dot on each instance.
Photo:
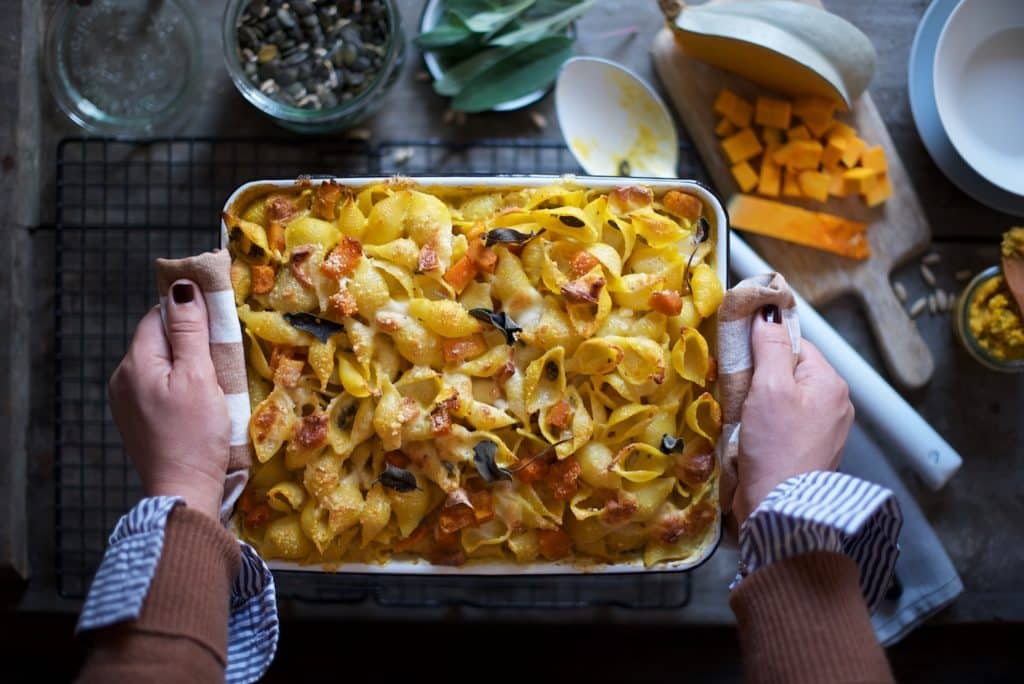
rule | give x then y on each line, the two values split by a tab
168	406
795	418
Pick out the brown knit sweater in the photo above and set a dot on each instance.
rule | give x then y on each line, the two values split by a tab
800	619
803	620
182	634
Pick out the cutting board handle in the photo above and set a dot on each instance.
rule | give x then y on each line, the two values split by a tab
904	351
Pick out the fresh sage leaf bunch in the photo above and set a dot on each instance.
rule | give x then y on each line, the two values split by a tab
493	51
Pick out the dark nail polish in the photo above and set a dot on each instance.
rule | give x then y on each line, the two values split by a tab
182	293
771	314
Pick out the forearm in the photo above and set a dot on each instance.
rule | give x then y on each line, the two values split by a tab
803	619
181	633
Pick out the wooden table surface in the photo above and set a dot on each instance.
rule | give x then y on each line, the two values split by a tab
977	515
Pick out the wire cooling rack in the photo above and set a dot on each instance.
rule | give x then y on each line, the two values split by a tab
120	205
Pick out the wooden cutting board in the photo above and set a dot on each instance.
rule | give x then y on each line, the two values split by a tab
898	229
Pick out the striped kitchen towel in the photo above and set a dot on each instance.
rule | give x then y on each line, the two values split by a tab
211	271
736	363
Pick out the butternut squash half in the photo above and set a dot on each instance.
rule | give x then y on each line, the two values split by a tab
786	46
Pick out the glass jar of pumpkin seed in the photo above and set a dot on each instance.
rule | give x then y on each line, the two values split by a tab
314	66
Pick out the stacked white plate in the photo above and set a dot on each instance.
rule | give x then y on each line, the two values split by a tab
966	82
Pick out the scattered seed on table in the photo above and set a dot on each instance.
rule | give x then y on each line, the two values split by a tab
900	291
963	275
358	133
917	307
927	275
422	76
940	300
539	120
931	259
932	304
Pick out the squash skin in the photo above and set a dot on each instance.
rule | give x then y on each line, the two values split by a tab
786	46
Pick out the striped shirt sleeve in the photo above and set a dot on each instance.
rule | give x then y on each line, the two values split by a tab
826	511
129	565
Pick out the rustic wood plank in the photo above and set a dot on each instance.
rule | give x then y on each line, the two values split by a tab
899	230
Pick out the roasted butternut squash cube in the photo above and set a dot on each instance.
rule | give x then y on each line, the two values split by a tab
742	146
790	184
745	176
814	185
854	148
879	192
799	154
681	204
874	158
773	112
860	180
734	108
770	180
724	128
798	133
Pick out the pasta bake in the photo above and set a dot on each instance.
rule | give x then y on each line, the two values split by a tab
470	375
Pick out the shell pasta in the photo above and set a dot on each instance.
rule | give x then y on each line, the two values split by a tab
471	374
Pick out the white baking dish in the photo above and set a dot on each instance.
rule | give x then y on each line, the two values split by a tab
719	233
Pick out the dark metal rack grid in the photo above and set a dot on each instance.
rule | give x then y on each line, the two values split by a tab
120	204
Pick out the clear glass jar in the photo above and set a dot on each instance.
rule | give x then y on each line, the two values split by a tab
124	67
962	326
302	120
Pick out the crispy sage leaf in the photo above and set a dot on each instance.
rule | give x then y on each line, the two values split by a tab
703	230
699	236
499	320
484	454
523	72
320	328
508	236
399	479
670	444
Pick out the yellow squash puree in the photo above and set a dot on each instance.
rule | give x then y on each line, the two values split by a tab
1013	243
995	320
649	154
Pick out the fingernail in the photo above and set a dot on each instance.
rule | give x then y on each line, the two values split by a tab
771	314
182	293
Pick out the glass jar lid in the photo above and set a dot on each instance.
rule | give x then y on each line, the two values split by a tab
123	67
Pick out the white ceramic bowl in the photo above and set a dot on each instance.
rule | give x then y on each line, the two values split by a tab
979	88
608	115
